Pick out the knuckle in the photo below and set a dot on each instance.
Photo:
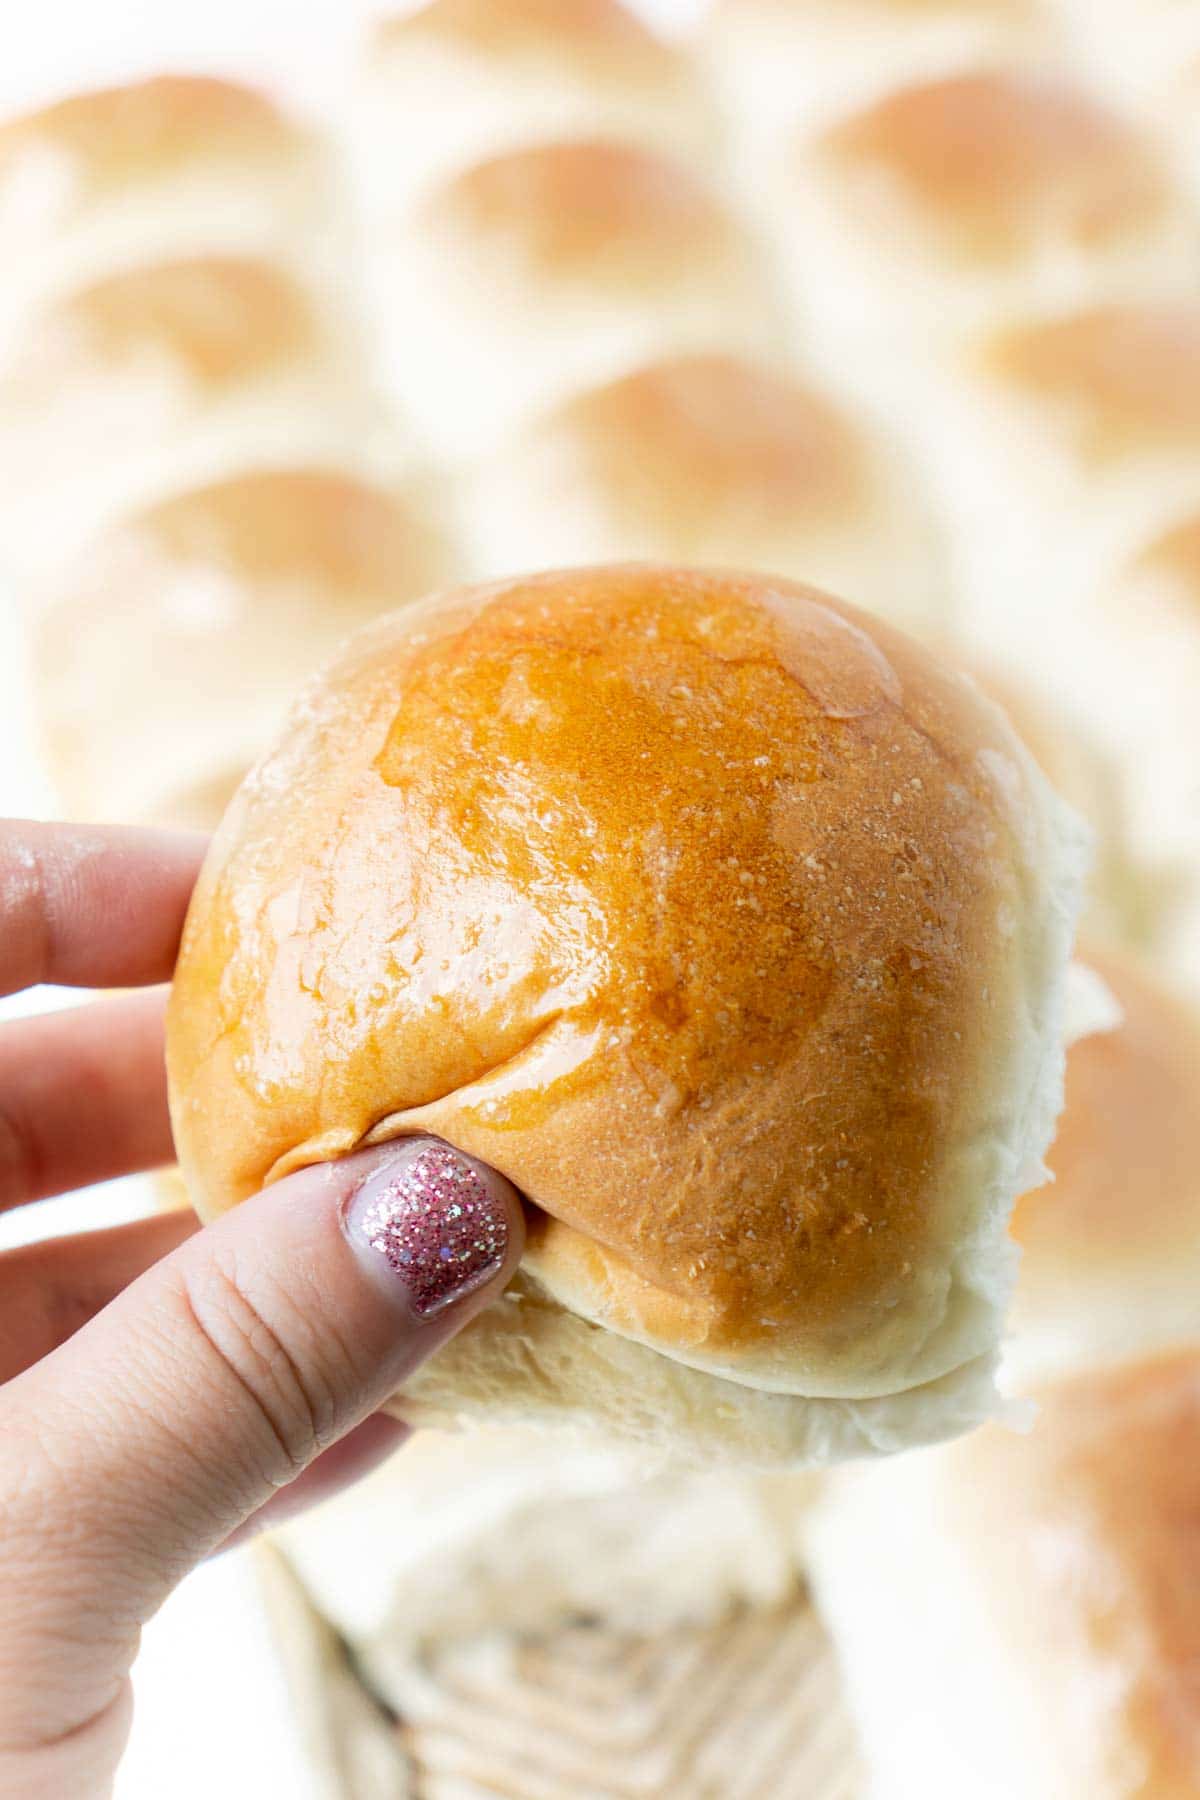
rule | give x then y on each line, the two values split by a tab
21	1173
291	1396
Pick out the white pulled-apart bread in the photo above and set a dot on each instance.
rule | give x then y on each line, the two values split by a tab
529	1532
168	651
714	461
546	269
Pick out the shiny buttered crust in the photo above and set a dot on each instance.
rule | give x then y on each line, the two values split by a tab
713	913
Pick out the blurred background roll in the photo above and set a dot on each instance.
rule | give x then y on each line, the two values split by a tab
711	459
1111	1245
955	202
548	268
158	167
457	82
1016	1613
787	66
160	376
168	652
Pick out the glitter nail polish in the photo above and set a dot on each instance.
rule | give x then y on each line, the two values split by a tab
435	1222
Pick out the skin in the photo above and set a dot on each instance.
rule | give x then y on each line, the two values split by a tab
163	1389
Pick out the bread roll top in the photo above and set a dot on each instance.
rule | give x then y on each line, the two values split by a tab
713	913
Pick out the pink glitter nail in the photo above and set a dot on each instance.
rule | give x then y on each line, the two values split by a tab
436	1223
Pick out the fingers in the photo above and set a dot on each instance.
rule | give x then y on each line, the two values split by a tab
49	1289
92	906
83	1097
206	1387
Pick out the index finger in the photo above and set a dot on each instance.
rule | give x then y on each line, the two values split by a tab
92	905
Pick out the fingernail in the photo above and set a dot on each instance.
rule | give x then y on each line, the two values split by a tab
431	1218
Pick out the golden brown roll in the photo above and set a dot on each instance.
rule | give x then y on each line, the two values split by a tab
170	165
1019	1613
545	270
1110	1262
166	654
457	81
956	202
157	378
720	919
712	460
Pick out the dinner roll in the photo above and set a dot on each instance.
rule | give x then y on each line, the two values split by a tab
956	202
170	165
166	654
720	919
1057	444
1100	408
1018	1614
709	459
545	270
786	64
161	376
457	81
1110	1261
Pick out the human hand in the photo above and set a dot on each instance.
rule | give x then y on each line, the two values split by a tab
165	1388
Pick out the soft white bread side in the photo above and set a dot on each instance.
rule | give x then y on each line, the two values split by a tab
458	81
167	166
1018	1614
161	377
712	460
544	270
531	1531
209	610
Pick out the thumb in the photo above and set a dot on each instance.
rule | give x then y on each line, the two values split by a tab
209	1384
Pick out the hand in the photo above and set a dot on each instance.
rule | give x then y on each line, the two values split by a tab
166	1386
